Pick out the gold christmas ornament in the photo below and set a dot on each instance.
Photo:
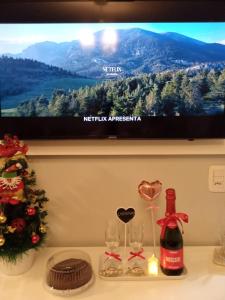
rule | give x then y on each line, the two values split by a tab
3	218
2	240
11	229
43	228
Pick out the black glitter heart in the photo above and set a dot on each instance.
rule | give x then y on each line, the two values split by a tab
126	215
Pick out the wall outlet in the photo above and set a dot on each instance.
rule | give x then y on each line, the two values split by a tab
217	179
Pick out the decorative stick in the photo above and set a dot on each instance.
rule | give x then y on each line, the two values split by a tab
125	242
150	191
153	230
125	215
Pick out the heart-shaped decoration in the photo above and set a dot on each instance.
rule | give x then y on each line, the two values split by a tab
125	215
149	191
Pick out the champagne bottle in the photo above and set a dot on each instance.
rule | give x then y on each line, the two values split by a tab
171	241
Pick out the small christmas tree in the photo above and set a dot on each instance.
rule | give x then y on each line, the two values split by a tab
22	213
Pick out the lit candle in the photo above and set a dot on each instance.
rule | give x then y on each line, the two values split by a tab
153	265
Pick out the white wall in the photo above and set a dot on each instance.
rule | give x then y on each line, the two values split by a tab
85	191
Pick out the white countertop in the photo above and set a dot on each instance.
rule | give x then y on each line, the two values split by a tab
204	281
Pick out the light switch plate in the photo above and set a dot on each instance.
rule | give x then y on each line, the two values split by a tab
217	179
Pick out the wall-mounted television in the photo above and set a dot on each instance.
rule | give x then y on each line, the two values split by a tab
128	69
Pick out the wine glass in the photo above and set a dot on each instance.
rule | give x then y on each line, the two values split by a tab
222	243
136	260
136	235
111	264
112	235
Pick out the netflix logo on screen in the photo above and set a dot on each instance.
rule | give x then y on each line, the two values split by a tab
112	71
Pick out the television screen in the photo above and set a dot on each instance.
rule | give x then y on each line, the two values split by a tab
104	79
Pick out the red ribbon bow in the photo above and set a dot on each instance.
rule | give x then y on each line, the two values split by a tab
114	255
173	218
136	254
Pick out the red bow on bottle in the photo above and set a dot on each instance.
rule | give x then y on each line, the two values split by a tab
173	218
114	255
136	254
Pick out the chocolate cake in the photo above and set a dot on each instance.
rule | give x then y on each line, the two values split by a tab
69	274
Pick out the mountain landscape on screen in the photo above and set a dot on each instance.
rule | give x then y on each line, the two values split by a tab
145	74
139	51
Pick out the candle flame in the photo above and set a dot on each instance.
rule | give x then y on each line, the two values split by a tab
153	264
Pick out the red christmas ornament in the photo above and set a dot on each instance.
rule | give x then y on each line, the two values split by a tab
31	211
19	224
35	238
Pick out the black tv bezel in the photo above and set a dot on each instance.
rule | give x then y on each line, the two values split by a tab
113	11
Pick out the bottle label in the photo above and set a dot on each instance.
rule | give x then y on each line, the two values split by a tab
171	259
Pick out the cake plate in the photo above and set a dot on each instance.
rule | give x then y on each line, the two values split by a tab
70	292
